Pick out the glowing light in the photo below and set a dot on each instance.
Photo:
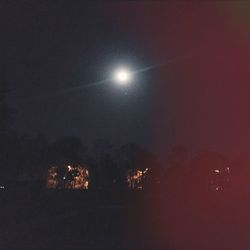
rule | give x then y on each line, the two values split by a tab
216	170
135	178
122	76
77	177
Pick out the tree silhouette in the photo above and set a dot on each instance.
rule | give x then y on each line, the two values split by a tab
66	150
8	139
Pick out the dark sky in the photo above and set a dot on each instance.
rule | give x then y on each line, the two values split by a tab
199	97
51	47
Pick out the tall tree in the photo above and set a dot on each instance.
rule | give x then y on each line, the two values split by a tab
8	139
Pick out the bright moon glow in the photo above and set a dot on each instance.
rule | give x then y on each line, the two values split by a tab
122	76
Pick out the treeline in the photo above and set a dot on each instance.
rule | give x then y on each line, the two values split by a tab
108	164
29	160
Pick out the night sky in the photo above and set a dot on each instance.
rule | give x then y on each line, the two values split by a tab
52	47
198	97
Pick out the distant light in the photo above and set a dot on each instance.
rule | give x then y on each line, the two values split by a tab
2	187
216	170
122	76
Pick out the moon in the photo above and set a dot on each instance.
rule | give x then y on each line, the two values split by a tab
122	76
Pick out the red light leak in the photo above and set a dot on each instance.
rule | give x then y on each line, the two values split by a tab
203	102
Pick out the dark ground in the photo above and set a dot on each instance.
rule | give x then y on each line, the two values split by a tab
65	220
108	220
